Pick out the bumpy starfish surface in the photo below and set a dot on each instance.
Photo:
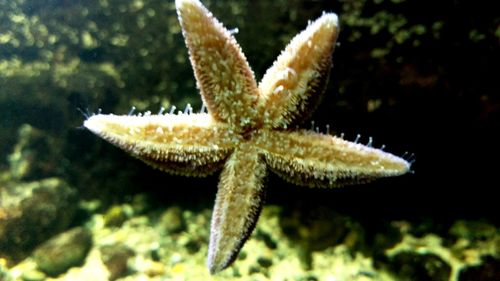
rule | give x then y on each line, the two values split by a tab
249	127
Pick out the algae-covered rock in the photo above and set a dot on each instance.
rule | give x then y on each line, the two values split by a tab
31	213
117	214
63	251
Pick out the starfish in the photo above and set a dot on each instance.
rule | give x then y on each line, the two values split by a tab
248	128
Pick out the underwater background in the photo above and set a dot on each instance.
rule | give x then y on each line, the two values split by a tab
417	76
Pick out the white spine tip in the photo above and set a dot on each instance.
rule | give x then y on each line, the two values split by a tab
329	18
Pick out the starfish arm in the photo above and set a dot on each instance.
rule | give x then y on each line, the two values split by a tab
291	89
186	144
226	82
237	206
318	160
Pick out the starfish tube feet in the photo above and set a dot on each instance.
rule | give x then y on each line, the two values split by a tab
293	86
317	160
226	82
186	144
237	206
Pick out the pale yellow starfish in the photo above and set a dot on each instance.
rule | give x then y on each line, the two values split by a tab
248	128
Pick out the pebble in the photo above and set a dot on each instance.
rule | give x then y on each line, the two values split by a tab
116	257
171	220
63	251
117	215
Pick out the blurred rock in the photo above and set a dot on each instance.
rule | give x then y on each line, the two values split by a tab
310	277
267	238
33	275
316	228
4	274
192	246
409	266
117	215
171	220
34	156
489	270
141	203
30	213
63	251
265	262
473	230
153	268
116	257
386	237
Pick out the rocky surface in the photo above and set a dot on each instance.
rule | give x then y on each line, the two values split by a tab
141	249
31	213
